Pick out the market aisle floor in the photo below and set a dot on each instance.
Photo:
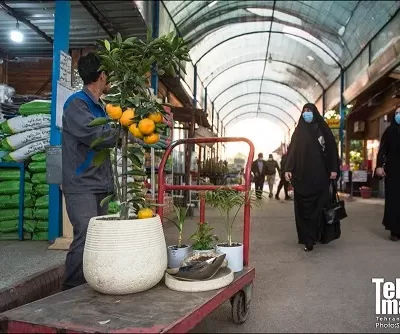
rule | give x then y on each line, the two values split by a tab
328	290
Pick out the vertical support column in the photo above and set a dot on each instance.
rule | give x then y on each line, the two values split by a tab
154	85
341	128
323	103
155	29
212	116
205	99
195	87
61	43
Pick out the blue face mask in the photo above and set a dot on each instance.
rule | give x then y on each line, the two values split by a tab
397	118
308	116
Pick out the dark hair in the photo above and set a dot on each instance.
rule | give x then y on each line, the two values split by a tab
88	68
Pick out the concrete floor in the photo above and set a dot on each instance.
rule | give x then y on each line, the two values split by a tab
328	290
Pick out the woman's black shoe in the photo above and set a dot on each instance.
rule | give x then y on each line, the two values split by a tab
394	237
308	248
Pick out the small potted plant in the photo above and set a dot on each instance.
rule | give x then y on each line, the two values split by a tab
366	192
227	200
204	240
176	253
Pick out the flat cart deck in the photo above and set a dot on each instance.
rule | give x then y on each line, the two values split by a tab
158	310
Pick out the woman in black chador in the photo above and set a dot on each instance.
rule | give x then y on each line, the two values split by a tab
312	161
388	166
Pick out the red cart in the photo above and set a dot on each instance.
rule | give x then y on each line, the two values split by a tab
158	310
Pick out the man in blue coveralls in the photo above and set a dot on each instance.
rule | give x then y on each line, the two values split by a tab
84	185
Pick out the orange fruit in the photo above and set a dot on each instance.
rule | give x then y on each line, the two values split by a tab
156	117
127	117
134	130
147	126
152	139
145	213
115	112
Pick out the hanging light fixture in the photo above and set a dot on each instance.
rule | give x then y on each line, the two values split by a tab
270	58
16	35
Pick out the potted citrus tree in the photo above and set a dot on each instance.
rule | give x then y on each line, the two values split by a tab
127	253
229	202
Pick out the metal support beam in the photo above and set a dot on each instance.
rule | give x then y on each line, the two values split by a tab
155	28
212	115
100	18
323	102
61	43
195	87
205	99
21	18
342	120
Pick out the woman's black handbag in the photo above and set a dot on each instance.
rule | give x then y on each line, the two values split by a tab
336	210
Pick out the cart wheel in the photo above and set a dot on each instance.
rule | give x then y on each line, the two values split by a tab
240	310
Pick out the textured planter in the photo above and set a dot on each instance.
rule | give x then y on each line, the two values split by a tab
124	256
234	256
176	255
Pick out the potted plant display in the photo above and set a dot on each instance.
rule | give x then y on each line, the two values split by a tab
127	253
229	202
176	253
203	239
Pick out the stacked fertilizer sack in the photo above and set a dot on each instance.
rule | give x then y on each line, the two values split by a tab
40	191
28	134
9	204
24	140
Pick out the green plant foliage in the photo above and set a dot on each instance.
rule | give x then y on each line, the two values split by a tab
181	214
227	200
203	238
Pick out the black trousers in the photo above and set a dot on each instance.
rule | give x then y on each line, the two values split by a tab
259	185
283	184
80	208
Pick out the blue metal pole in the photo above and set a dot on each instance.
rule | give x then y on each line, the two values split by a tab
195	87
156	28
342	108
61	43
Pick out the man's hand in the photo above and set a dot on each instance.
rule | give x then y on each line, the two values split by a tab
380	172
288	176
333	175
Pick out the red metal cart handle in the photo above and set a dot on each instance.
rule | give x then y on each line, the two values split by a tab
162	187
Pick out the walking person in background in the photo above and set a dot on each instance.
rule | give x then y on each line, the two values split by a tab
272	167
388	166
283	182
311	165
259	168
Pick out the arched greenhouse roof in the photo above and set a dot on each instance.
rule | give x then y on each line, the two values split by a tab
268	58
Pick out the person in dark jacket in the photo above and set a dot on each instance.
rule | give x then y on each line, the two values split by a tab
388	166
84	185
272	167
283	182
311	165
259	168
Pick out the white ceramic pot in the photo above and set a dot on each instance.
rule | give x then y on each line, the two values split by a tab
124	256
176	255
234	256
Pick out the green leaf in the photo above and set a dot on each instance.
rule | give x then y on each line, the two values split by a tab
107	45
160	72
97	142
135	160
106	200
149	34
133	172
99	121
119	39
130	40
100	157
175	42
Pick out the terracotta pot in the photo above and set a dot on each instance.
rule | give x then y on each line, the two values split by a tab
124	256
366	192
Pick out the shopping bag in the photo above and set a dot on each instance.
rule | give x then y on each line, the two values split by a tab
335	211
